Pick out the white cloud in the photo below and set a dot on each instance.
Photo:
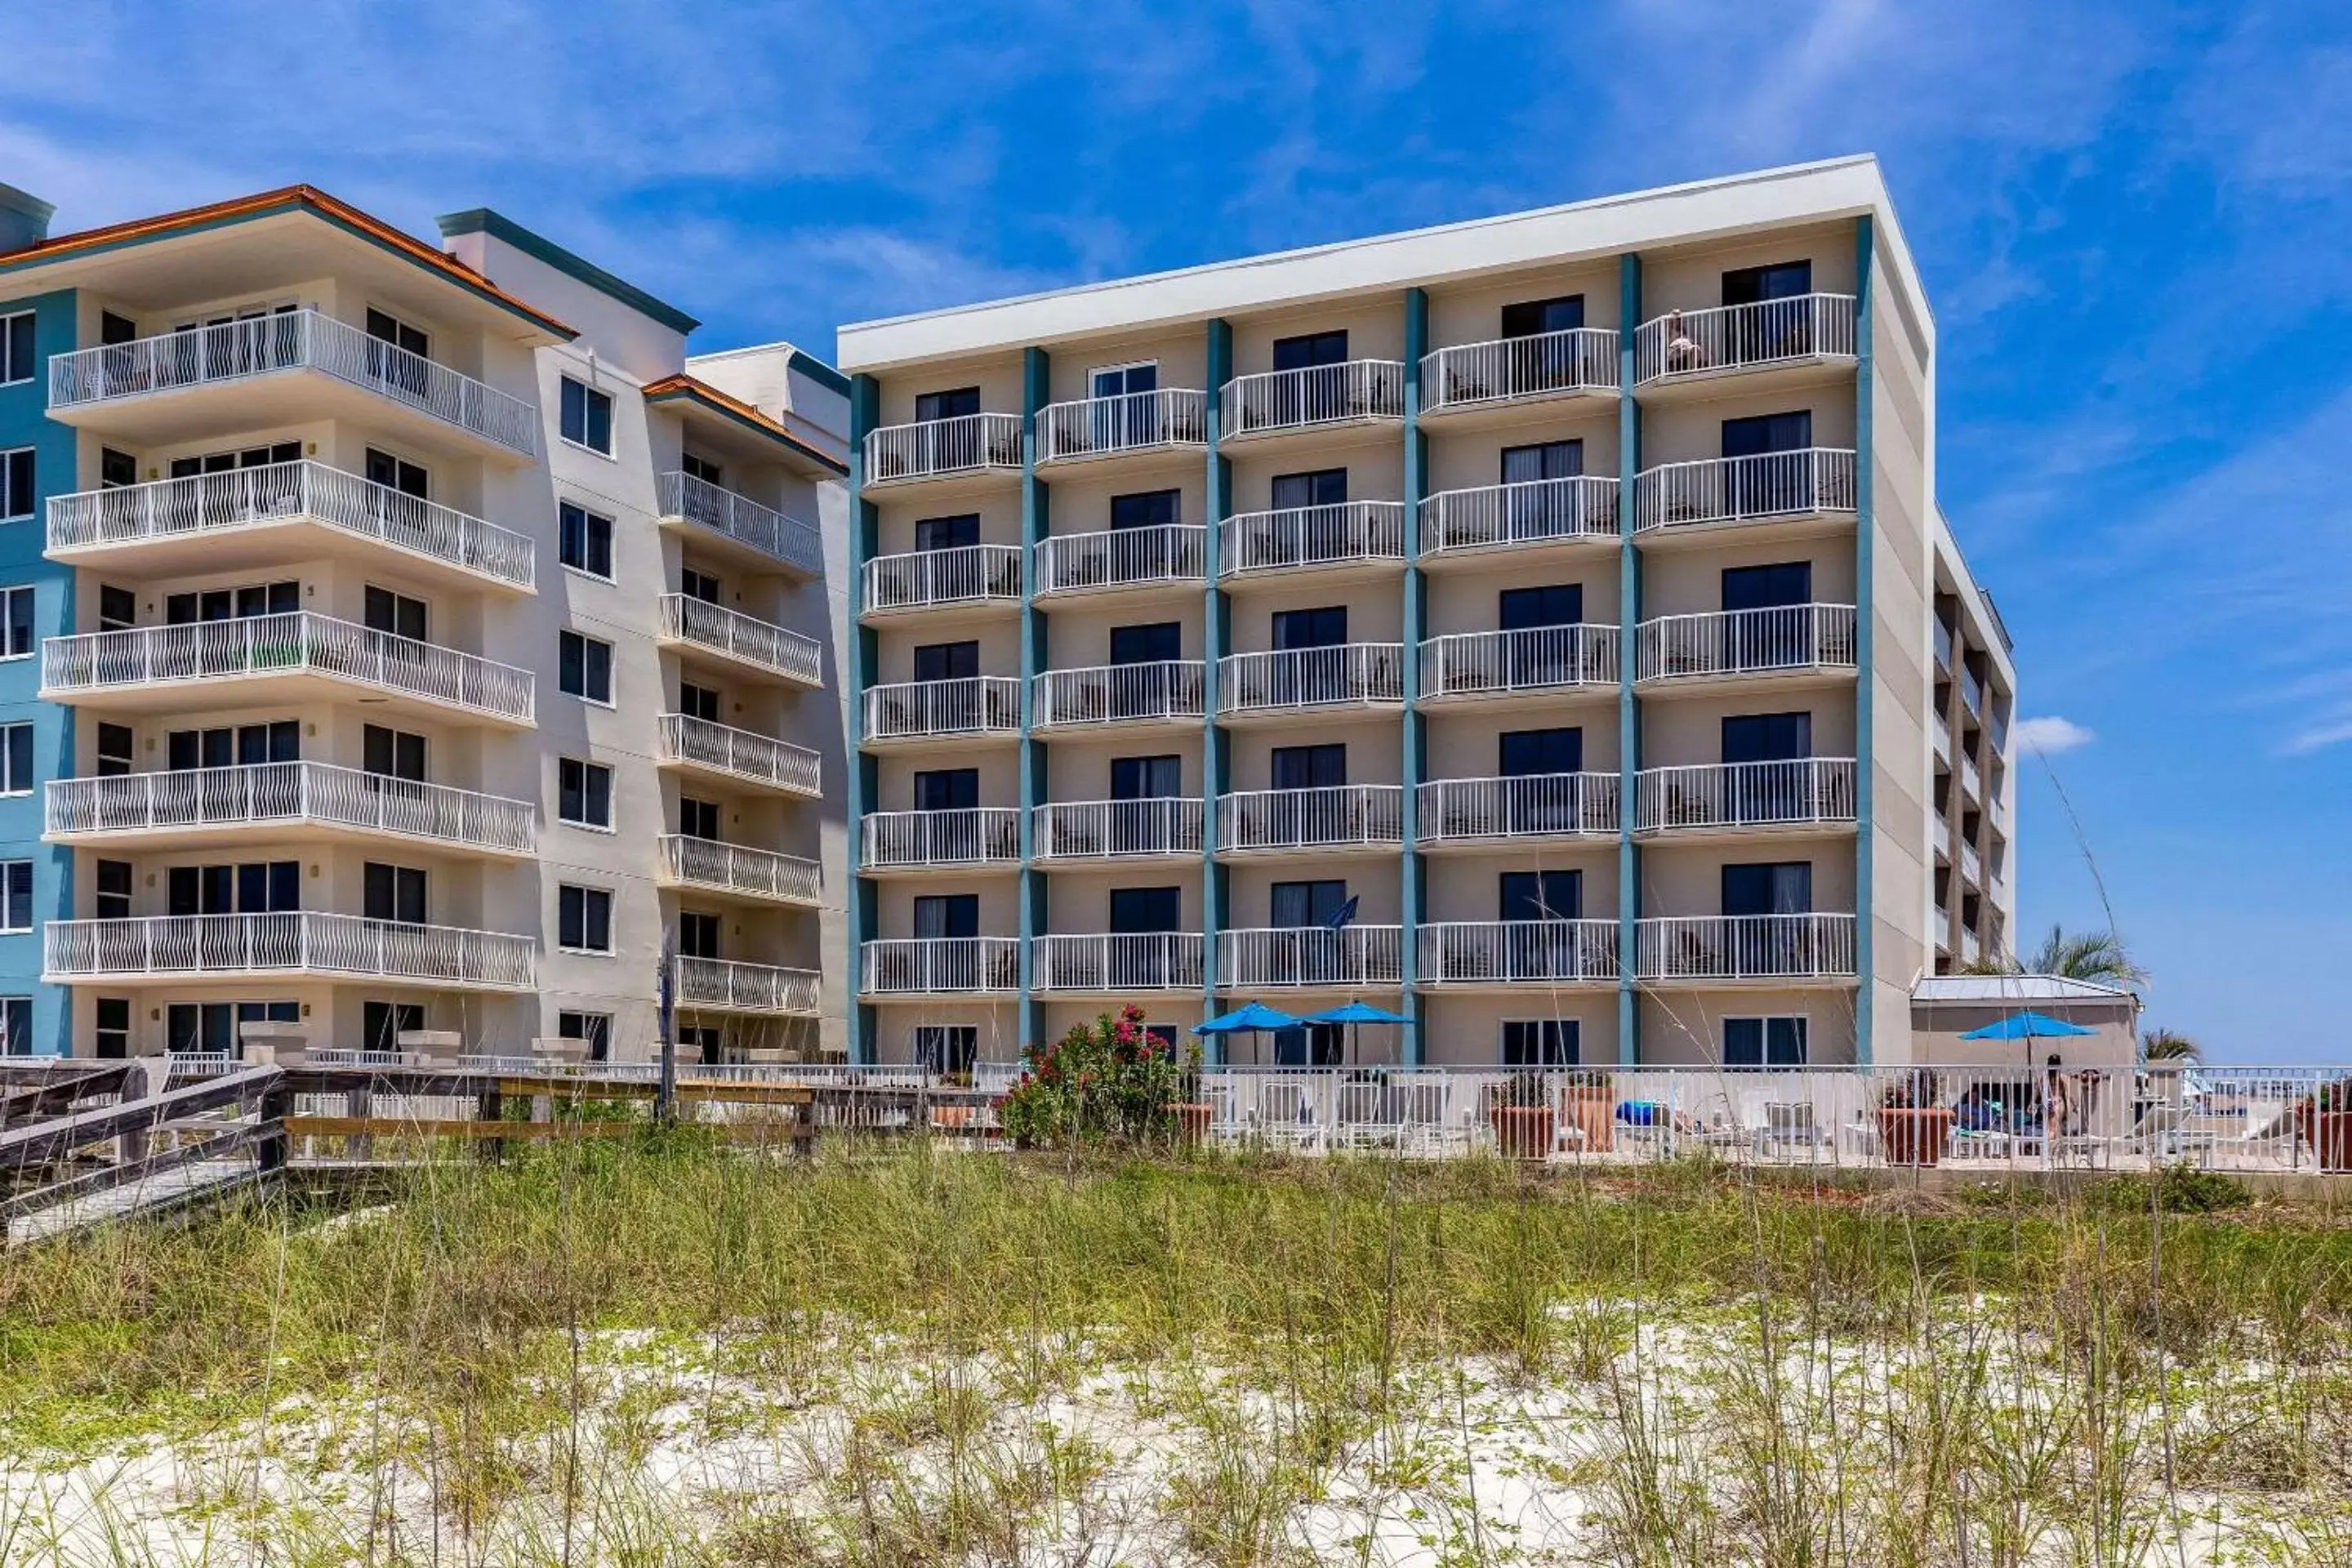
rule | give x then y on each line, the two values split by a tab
2049	735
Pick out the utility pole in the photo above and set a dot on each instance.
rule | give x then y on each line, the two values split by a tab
665	1005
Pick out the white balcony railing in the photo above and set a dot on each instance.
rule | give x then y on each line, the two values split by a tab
1502	664
295	941
1337	817
1298	536
1744	490
1131	422
1358	675
1532	511
745	639
1119	693
1693	343
974	705
760	759
1114	829
940	964
1310	955
691	499
966	574
1971	865
1161	960
298	643
931	448
1744	947
1476	811
1553	952
272	794
739	868
1318	394
1940	730
725	986
1121	558
199	504
292	340
1747	642
1544	364
1970	948
968	836
1971	780
1745	794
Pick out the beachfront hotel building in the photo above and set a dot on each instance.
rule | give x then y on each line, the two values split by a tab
401	639
1542	626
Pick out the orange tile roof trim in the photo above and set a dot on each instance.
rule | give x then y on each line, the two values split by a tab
685	385
288	198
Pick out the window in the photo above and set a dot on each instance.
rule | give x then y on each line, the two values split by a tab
958	532
248	457
1309	350
1767	737
1305	904
16	361
386	328
584	667
1767	587
16	484
116	471
247	745
118	609
583	793
1322	487
1310	767
957	403
947	789
1309	1044
1122	379
114	883
1532	318
948	1047
382	1023
394	893
396	613
698	934
114	328
1541	1043
392	473
1780	281
702	468
698	819
1774	888
1553	605
393	754
16	624
699	585
1761	435
1147	778
947	916
1532	753
113	1027
234	603
1542	896
584	540
1323	628
15	759
947	662
1764	1042
16	895
212	1028
1146	508
587	416
699	702
597	1028
699	1043
254	888
1157	643
17	1026
1146	912
584	918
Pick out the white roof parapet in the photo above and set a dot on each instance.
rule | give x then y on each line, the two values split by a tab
1980	989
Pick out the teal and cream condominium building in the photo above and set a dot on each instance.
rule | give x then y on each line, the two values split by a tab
1542	628
402	641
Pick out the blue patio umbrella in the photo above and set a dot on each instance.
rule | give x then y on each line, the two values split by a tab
1253	1018
2027	1026
1353	1014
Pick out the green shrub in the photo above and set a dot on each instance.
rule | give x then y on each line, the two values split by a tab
1107	1081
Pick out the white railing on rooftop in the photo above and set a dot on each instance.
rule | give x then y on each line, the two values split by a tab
1745	947
1112	830
748	638
1744	337
949	965
1335	816
965	835
1536	659
1348	675
1744	490
1157	961
1799	791
272	793
294	941
292	340
1310	536
1747	642
1310	955
1318	395
198	504
739	868
762	759
966	575
296	643
931	448
971	705
1548	951
1119	693
692	499
1529	511
1468	811
1543	365
726	986
1130	422
1121	558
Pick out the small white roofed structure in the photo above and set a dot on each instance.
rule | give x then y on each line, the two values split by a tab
1946	1006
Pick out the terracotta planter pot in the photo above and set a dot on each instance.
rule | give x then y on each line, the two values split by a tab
1192	1122
951	1118
1524	1131
1914	1135
2329	1133
1593	1112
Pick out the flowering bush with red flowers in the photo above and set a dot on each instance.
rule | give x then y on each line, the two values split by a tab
1105	1080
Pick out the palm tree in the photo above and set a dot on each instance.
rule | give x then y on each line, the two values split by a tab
2098	957
2170	1045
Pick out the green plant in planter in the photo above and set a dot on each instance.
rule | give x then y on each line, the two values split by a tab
1104	1081
2333	1097
1523	1090
1911	1091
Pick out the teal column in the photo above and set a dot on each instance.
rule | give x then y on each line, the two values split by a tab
1216	636
1629	620
1865	694
865	526
1413	1047
1037	384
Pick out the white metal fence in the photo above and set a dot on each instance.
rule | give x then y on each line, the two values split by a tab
294	941
725	986
741	637
1739	337
1311	956
739	868
1744	947
1552	952
1500	664
1542	364
761	758
940	964
289	791
973	705
1113	829
1350	674
1310	536
1159	960
1471	811
932	447
1131	422
1745	794
691	499
1747	642
1531	511
1330	817
967	574
1119	693
1121	558
971	835
1744	489
1318	395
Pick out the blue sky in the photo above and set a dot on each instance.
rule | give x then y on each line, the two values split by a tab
2132	219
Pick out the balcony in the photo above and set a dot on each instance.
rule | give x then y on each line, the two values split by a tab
1348	533
289	368
1971	950
1493	377
284	800
1530	514
940	966
1681	498
1115	965
721	986
976	708
1971	780
1971	692
1792	335
249	519
970	446
180	947
1733	799
1274	403
1519	953
279	661
1171	419
1117	830
1350	677
1122	559
984	576
1277	821
1498	667
1304	957
1971	865
956	839
738	872
1943	840
761	761
1468	813
1943	647
1747	645
1117	695
757	536
1745	948
744	641
1940	730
